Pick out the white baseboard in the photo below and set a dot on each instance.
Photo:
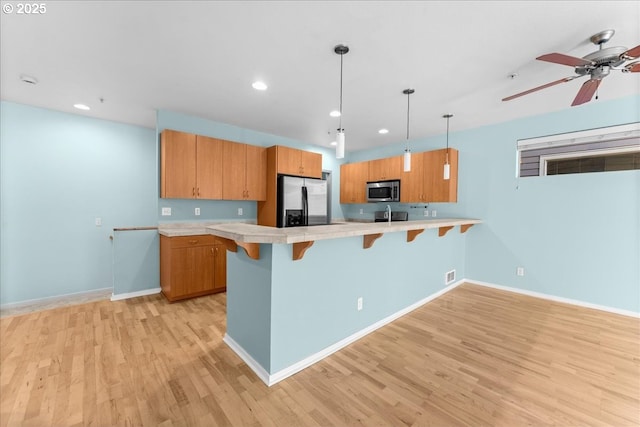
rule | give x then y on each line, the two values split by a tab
128	295
250	361
271	379
66	298
556	298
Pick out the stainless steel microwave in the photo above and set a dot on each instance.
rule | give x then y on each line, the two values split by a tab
383	191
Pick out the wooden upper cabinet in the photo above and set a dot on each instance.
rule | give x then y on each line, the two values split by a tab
208	168
353	182
385	169
256	167
191	166
412	183
291	161
178	165
436	188
243	171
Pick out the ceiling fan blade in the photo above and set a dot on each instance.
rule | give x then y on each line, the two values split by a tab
586	92
632	53
535	89
562	59
634	67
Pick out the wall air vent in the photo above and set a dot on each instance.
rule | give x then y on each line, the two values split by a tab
450	277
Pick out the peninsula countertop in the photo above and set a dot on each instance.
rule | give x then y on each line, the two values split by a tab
252	233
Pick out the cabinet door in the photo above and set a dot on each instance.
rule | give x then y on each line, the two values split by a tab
289	161
311	164
385	169
353	181
412	184
233	170
292	161
436	188
202	269
220	267
256	173
178	165
208	168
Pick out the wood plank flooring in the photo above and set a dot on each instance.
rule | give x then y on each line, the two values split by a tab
473	357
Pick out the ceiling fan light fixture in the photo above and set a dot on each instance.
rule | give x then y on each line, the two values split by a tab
340	138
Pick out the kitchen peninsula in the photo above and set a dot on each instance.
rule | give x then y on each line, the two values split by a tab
296	295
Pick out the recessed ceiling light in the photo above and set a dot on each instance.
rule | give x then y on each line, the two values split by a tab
259	85
335	113
383	131
82	107
334	143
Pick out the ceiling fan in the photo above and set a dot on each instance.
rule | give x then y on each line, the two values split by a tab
596	65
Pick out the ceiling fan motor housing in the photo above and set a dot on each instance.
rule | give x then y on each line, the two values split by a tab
612	56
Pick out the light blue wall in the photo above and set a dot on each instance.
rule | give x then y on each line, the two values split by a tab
577	236
282	311
183	209
59	172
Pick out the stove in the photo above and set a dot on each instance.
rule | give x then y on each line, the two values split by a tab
381	216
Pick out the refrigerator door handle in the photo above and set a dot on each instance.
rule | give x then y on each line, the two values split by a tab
305	206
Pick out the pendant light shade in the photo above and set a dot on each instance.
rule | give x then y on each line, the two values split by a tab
407	152
340	144
446	174
407	160
340	50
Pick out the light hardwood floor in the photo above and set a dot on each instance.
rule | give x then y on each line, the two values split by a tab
475	356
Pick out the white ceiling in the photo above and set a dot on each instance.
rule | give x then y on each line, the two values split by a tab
200	58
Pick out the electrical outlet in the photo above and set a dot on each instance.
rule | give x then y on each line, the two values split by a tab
240	212
197	212
166	211
98	222
520	271
361	211
426	212
433	213
359	303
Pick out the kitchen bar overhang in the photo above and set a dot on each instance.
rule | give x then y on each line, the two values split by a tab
250	236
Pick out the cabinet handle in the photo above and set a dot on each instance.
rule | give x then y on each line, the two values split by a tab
193	242
198	191
193	191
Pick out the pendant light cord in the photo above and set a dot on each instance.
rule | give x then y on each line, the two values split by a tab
341	57
408	96
448	135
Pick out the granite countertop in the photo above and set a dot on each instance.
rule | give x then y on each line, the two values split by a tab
252	233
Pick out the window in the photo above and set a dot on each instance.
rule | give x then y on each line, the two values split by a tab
597	150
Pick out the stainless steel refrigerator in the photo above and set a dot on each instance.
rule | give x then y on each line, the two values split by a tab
302	201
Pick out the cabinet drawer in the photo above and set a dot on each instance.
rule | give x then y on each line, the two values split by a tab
193	241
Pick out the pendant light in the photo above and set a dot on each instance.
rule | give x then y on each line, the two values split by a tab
407	152
447	167
340	50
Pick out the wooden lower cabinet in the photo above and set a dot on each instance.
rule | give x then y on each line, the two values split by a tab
192	266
